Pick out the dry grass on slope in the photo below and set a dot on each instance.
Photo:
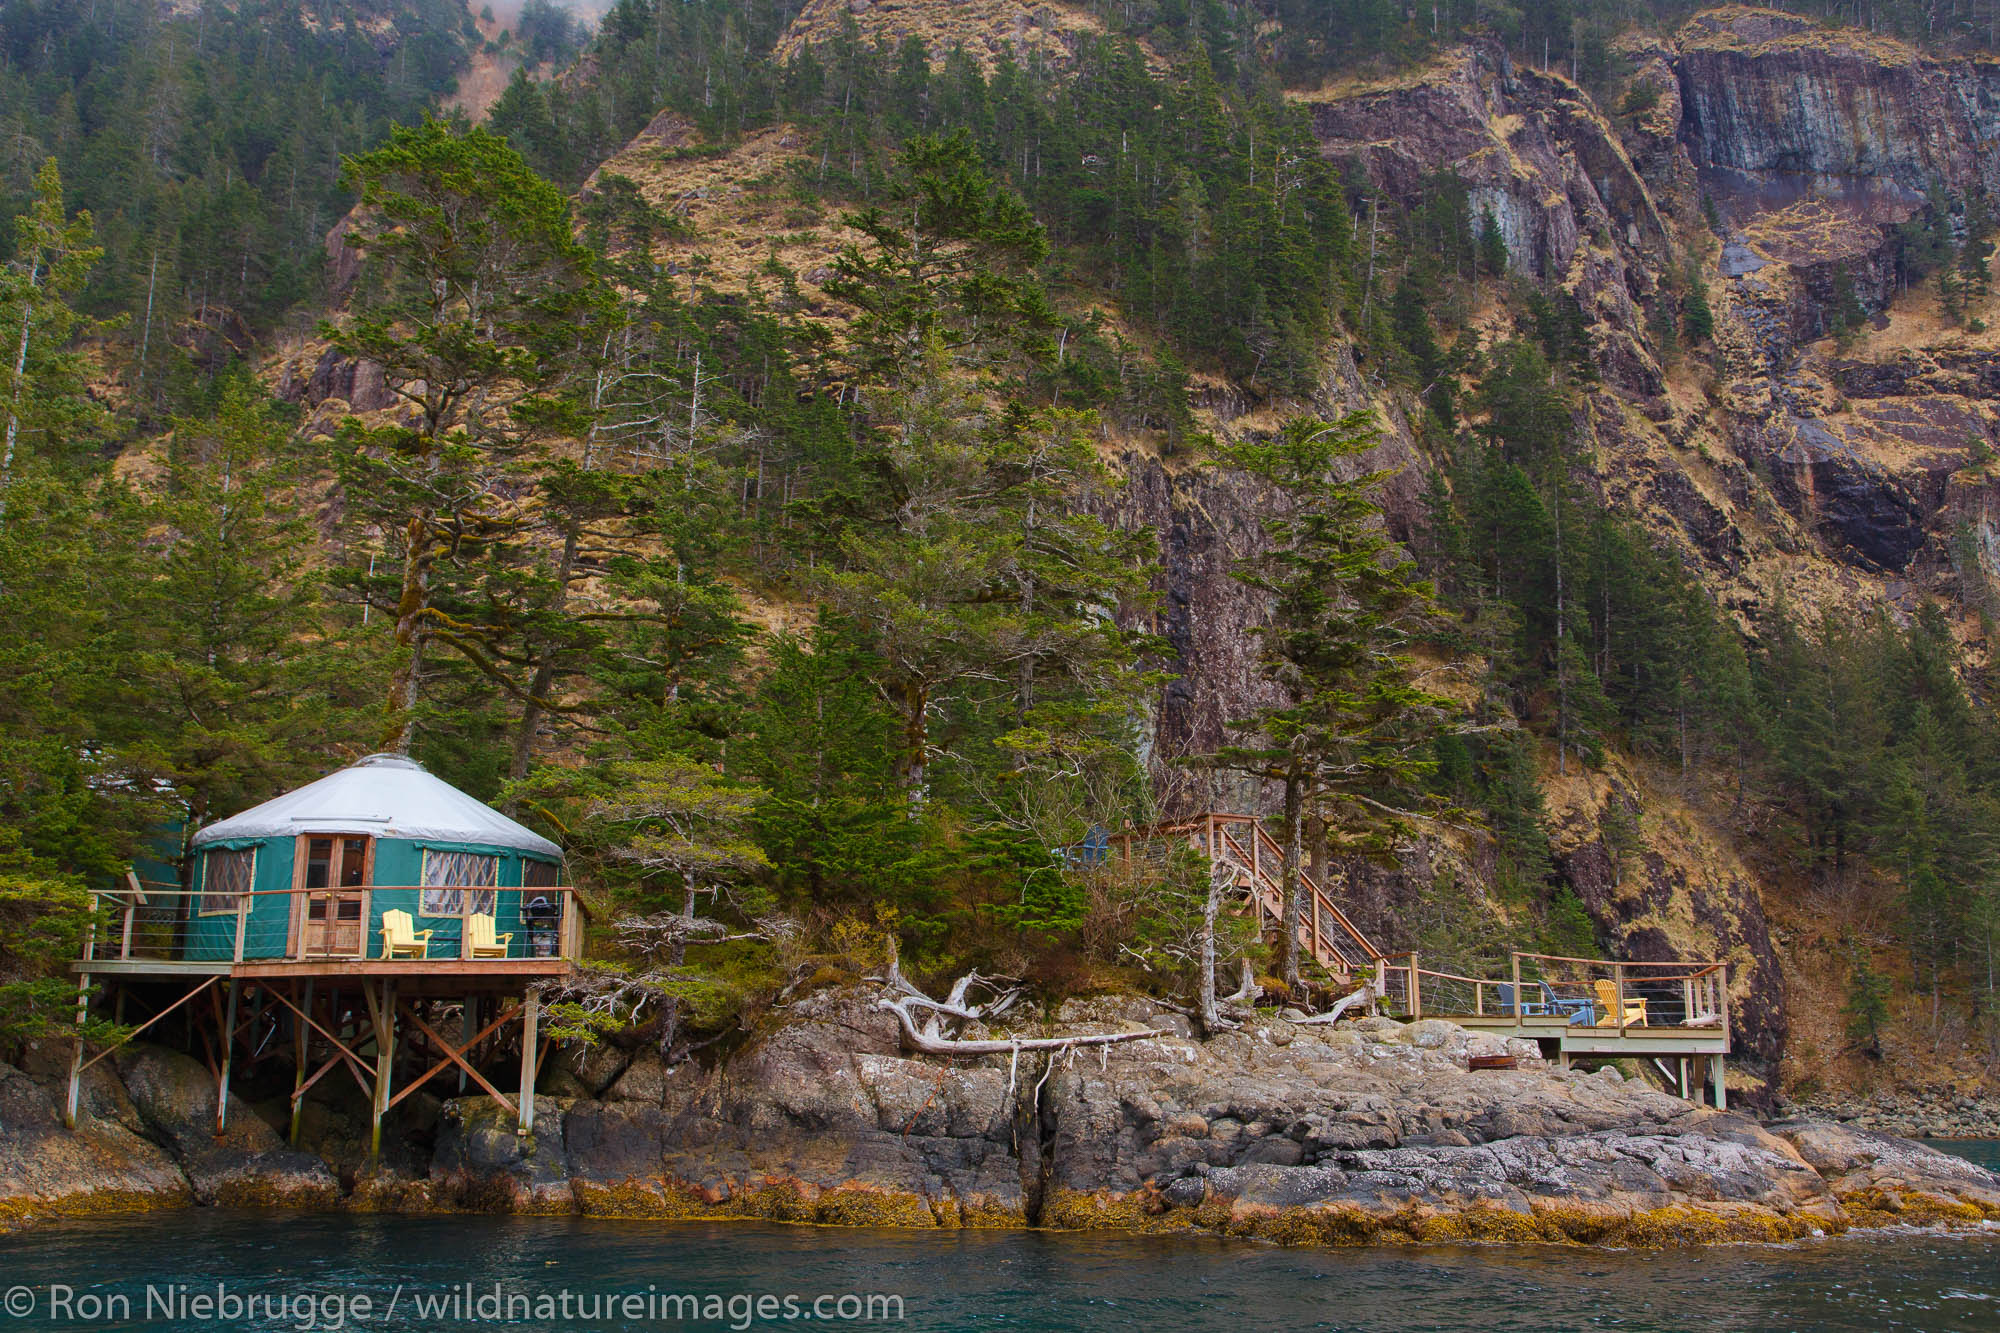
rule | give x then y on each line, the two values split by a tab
987	29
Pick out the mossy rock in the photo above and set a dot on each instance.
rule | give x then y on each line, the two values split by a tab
1872	1208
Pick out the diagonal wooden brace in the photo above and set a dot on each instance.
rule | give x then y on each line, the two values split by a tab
203	985
455	1055
339	1047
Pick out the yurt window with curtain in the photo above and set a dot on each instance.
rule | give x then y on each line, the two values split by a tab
226	875
460	883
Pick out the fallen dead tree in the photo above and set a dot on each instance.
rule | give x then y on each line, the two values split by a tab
929	1037
1365	996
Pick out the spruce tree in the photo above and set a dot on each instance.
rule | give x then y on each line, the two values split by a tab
1354	739
478	304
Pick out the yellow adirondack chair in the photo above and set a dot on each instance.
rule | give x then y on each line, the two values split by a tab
402	939
481	941
1607	1000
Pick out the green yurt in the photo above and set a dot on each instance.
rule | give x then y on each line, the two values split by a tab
312	873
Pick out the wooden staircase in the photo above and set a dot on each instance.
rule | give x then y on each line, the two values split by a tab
1240	844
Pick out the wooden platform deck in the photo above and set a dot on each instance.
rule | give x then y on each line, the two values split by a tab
454	974
1570	1039
235	992
1673	1014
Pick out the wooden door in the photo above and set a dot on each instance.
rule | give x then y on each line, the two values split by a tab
334	872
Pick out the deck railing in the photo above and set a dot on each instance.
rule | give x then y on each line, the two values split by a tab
145	921
1586	992
1324	930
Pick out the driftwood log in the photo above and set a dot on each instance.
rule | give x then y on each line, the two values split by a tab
905	1001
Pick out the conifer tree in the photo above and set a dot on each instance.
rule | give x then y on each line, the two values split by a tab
478	304
1354	740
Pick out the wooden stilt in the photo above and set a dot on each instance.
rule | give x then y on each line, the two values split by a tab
1684	1077
468	1023
531	1014
384	1014
301	1046
228	1051
1715	1075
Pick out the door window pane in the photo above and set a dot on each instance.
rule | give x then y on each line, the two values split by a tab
353	862
319	862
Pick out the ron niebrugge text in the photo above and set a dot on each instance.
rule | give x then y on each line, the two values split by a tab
313	1310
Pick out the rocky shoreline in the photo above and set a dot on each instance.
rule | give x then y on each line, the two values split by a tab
1925	1113
1371	1132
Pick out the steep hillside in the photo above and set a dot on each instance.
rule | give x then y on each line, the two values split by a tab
1790	468
897	431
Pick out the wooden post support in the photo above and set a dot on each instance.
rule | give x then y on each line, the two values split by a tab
384	1014
468	1024
1684	1078
134	895
301	1046
1722	1003
1721	1090
1416	989
228	1049
531	1014
1517	988
1618	983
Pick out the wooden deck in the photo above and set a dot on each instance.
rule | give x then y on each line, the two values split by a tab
457	970
248	992
1672	1014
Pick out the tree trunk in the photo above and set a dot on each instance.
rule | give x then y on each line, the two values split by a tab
412	633
544	678
14	390
913	702
1295	800
670	1008
1206	982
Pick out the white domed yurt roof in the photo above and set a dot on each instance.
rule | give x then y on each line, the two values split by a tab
387	796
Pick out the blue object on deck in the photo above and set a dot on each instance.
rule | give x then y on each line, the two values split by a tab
1529	1008
1583	1012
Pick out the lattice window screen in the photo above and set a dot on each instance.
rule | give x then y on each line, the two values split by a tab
447	876
227	874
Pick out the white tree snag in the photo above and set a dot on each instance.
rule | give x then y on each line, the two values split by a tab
1366	995
928	1044
930	1039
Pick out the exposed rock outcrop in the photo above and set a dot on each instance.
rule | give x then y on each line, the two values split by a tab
1372	1130
47	1171
247	1165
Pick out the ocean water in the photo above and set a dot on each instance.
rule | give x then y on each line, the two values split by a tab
181	1270
1986	1152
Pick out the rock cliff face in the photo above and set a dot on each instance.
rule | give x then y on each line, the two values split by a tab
1374	1130
1845	473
